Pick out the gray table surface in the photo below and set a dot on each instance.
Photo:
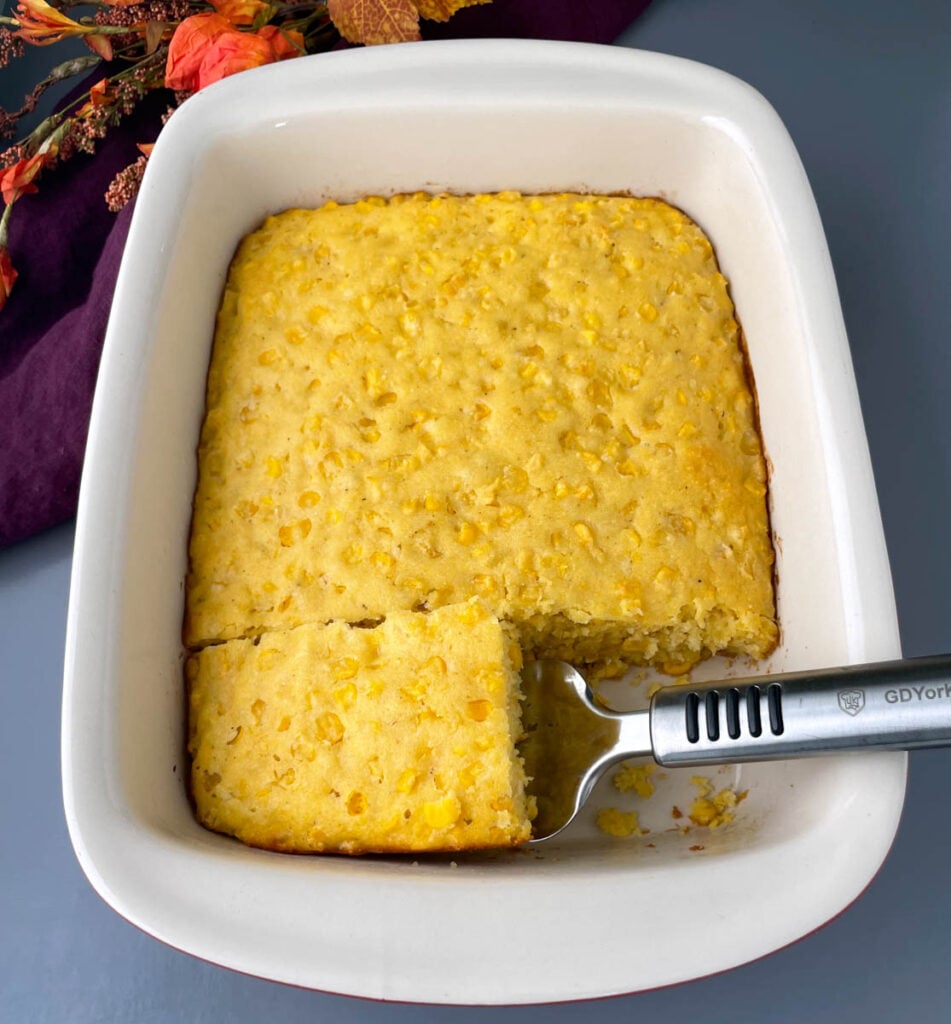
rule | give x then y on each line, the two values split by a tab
865	90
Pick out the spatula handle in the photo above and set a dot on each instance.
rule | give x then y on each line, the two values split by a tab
897	705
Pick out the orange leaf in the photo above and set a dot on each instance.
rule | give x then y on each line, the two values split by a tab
375	21
443	10
154	31
98	94
8	275
284	43
17	179
239	12
100	44
145	148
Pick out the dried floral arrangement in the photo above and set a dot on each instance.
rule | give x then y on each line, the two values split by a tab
177	45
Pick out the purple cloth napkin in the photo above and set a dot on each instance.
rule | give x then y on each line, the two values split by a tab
67	247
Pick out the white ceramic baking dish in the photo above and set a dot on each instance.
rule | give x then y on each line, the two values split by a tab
590	915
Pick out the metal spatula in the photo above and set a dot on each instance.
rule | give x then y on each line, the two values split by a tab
570	740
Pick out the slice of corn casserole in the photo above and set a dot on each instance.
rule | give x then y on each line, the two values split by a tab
337	738
541	401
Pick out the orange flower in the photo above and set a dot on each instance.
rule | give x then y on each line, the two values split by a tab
239	12
99	96
17	180
207	48
43	25
99	93
8	276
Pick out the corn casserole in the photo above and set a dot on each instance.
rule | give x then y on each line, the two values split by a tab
339	738
539	403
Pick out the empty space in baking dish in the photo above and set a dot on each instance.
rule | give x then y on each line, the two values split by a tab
466	118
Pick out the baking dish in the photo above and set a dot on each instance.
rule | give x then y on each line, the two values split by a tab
589	915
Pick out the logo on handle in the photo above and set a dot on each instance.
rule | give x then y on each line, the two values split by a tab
851	701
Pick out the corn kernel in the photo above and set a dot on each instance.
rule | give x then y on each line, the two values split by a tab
583	533
329	728
356	803
345	668
478	710
600	394
600	421
466	533
486	585
346	695
474	612
442	813
409	324
681	524
469	775
294	532
352	554
510	515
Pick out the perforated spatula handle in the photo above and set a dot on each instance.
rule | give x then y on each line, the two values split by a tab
898	705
